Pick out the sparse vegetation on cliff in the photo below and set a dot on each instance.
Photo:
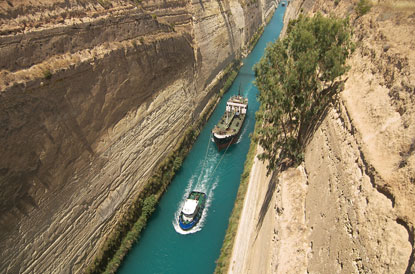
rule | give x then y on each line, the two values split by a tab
254	39
363	7
298	77
129	227
229	81
47	74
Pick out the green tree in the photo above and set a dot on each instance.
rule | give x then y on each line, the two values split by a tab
297	78
149	205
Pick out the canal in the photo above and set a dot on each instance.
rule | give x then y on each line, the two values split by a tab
163	247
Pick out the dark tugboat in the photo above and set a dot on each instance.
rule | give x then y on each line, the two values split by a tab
227	131
192	210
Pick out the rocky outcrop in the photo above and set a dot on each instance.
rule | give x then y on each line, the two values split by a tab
349	207
93	95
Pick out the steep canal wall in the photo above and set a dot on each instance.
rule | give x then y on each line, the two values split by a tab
93	95
348	207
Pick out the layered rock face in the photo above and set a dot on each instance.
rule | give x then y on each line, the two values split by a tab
349	207
93	95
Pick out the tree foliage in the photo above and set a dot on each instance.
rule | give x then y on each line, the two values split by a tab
297	78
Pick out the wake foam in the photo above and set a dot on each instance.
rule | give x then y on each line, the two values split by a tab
205	183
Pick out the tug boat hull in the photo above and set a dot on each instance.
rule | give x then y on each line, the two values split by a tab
192	210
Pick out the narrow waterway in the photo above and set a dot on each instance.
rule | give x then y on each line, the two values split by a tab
163	247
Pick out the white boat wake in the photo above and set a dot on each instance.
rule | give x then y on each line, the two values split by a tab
209	192
202	183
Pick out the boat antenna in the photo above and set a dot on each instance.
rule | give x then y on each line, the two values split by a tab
239	90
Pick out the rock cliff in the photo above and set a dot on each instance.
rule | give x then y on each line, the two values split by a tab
93	95
349	207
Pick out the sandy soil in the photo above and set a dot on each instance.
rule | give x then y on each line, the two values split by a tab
254	233
291	246
271	235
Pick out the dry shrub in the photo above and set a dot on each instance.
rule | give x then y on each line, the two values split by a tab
397	5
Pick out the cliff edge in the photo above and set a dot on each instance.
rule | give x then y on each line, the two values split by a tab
348	208
93	95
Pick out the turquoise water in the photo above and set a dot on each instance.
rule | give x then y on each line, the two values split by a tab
163	247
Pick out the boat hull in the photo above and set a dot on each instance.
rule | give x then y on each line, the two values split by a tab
226	132
189	225
224	142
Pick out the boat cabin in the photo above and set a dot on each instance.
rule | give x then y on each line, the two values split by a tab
237	105
190	208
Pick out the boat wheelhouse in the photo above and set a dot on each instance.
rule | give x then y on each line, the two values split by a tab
192	210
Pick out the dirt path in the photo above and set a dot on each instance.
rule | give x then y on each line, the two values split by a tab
254	236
